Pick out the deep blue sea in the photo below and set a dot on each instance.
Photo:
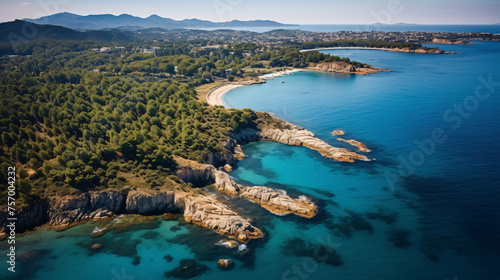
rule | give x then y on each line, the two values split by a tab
426	206
446	193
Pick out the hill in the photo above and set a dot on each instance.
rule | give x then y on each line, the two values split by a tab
97	22
23	31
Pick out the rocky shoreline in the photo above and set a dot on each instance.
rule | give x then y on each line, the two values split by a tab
63	212
362	147
345	68
405	49
197	207
420	50
275	201
294	135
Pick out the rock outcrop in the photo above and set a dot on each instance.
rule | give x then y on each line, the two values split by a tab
290	134
225	184
346	68
278	202
450	41
338	132
275	201
225	264
208	212
420	50
362	147
228	168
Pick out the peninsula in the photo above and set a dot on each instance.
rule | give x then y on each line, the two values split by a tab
117	123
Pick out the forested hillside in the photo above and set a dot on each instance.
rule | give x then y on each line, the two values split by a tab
80	115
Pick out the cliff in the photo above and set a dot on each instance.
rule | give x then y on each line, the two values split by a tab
67	211
147	202
62	212
344	67
275	201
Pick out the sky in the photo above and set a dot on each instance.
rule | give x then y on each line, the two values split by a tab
285	11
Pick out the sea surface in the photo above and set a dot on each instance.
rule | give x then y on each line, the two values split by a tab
445	194
415	211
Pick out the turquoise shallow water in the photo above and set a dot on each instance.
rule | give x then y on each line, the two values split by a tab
440	222
449	201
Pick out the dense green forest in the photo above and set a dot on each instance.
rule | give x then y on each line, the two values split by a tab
77	117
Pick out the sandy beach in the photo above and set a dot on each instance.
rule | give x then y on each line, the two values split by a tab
214	96
278	74
347	48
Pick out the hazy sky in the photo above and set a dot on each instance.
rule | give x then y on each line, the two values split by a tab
286	11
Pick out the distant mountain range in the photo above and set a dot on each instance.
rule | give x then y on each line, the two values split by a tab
106	21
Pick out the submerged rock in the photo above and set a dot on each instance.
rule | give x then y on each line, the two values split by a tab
225	264
430	247
168	258
227	243
399	238
319	252
99	231
95	246
175	228
134	222
150	235
169	216
387	217
188	268
136	261
29	256
353	221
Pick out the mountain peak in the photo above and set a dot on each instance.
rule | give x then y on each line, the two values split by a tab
106	21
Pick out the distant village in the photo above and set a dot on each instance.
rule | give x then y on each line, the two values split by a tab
277	38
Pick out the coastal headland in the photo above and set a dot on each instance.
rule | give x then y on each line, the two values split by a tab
402	49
